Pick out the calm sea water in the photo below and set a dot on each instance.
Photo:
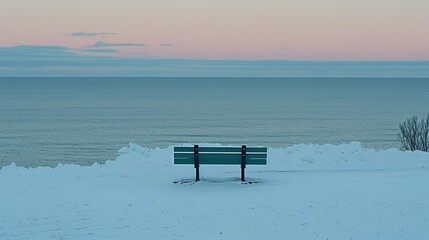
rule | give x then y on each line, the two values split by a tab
44	121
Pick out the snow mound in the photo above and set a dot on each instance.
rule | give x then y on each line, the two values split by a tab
300	157
350	156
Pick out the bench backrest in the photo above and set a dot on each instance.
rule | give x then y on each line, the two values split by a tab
221	155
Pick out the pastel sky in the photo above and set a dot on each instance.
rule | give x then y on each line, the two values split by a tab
207	30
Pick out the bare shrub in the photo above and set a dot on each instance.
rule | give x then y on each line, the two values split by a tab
413	134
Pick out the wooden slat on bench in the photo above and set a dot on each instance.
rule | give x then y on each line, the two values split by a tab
220	158
220	155
250	161
220	149
183	149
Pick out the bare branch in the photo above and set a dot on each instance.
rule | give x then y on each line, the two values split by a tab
414	135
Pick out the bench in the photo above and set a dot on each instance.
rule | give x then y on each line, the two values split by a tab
220	156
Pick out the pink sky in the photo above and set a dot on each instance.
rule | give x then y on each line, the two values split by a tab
221	29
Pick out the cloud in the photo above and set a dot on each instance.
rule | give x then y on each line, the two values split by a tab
167	45
99	50
106	44
33	56
23	51
90	34
36	60
136	53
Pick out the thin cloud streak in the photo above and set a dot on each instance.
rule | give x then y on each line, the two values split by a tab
90	34
99	50
106	44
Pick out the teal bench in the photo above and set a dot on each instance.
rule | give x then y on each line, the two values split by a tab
220	156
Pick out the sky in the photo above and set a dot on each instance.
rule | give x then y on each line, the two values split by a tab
202	37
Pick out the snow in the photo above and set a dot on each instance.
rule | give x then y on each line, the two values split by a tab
305	192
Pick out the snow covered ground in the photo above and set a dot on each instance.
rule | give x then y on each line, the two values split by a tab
305	192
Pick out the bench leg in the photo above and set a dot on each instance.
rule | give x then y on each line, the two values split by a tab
243	162
197	173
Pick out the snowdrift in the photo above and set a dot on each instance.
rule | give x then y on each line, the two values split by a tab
301	157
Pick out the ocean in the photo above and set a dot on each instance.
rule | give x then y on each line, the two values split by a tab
46	121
